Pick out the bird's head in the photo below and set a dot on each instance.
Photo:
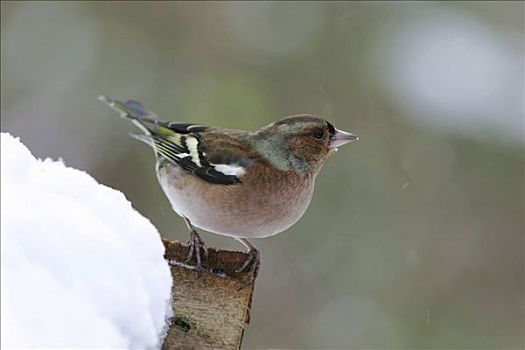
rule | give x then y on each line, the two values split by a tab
301	142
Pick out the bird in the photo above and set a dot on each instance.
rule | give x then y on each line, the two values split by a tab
236	183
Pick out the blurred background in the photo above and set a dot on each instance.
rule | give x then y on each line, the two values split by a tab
415	235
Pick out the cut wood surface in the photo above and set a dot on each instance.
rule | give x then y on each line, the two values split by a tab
211	309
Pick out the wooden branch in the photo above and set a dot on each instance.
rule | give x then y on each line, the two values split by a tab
210	310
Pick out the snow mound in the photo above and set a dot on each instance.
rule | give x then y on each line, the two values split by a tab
80	267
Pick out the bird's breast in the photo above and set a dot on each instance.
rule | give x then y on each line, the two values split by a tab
266	202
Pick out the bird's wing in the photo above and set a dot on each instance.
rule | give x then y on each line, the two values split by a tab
212	155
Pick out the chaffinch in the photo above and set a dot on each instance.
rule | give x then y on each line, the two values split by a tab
236	183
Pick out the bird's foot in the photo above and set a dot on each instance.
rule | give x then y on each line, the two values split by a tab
197	249
250	265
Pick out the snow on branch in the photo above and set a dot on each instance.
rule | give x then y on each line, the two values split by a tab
80	267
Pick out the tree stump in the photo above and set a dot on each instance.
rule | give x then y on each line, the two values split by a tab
211	309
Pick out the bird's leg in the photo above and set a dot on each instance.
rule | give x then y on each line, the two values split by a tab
252	263
196	244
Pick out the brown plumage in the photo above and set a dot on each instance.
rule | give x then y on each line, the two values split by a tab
237	183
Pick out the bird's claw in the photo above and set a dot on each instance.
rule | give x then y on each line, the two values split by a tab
196	245
250	265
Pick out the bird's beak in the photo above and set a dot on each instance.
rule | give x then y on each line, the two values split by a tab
340	138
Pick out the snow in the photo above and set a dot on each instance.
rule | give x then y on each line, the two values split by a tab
80	267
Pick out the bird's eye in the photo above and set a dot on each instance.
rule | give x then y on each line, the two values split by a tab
318	134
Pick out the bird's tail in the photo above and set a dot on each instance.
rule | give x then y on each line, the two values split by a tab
142	117
170	140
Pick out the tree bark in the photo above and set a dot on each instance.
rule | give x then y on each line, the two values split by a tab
211	309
